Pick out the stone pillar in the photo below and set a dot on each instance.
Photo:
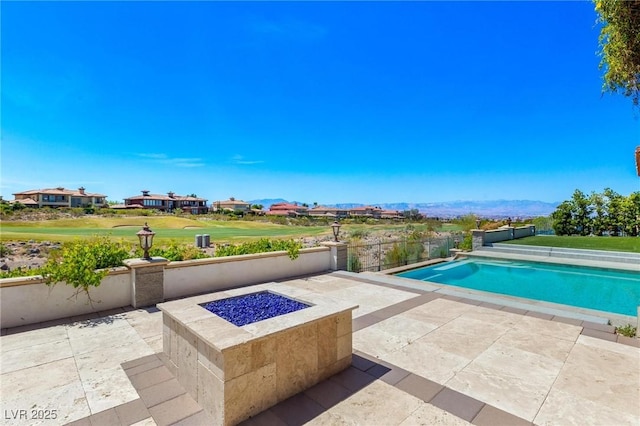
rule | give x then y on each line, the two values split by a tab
338	255
477	239
147	281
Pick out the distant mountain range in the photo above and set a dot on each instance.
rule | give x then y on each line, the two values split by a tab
489	209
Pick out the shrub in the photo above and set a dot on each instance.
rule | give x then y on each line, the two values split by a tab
262	245
628	330
175	252
4	250
353	263
21	271
82	263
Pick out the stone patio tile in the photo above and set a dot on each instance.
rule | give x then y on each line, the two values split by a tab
389	335
428	360
508	378
438	311
377	402
68	401
572	321
492	317
132	412
161	392
328	393
91	365
458	404
428	414
151	377
539	315
533	325
174	410
266	418
39	379
106	417
360	362
465	337
297	410
491	416
599	334
108	389
155	343
37	354
629	341
198	419
388	373
364	321
567	408
139	361
81	422
102	336
597	371
513	310
141	368
419	387
146	324
36	336
540	344
146	422
352	379
595	326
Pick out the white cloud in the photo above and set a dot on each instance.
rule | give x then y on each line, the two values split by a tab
239	159
177	162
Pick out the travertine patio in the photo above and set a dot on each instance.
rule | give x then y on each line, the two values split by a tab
420	357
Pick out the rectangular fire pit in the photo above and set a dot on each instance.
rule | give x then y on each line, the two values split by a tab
237	371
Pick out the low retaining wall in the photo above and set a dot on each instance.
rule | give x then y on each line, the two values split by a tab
481	237
208	275
28	300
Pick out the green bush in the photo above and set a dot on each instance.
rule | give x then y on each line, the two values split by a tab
82	263
175	252
404	253
20	271
353	263
467	242
628	330
262	245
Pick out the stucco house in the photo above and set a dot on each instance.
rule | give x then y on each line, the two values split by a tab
60	197
168	202
236	206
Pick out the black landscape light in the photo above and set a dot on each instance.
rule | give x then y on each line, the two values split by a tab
146	240
509	221
335	226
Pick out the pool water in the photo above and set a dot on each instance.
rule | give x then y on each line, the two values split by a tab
607	290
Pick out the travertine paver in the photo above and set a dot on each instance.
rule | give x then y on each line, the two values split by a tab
599	382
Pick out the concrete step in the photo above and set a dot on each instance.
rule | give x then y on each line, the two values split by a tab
584	254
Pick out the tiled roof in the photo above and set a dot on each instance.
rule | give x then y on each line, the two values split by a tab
59	191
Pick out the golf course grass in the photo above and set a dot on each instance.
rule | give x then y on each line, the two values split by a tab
170	228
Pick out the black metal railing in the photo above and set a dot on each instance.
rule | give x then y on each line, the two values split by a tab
381	255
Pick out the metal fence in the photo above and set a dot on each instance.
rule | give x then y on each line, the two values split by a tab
380	255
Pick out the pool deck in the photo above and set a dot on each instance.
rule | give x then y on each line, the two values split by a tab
420	357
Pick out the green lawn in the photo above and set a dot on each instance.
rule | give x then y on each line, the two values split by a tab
168	228
630	244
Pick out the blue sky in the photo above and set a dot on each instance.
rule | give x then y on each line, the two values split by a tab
327	102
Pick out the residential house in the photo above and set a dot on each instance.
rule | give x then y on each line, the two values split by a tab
366	211
331	212
231	205
60	197
287	209
168	203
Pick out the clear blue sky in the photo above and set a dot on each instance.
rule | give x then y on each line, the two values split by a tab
326	102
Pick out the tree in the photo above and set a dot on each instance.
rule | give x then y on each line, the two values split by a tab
581	213
562	219
620	46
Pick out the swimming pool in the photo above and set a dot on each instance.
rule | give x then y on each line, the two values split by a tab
607	290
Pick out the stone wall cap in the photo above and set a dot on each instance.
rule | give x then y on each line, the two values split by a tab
141	263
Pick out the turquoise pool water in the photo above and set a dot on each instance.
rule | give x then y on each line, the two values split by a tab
593	288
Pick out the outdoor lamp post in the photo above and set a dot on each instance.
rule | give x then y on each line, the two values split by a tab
335	226
146	240
508	221
477	223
